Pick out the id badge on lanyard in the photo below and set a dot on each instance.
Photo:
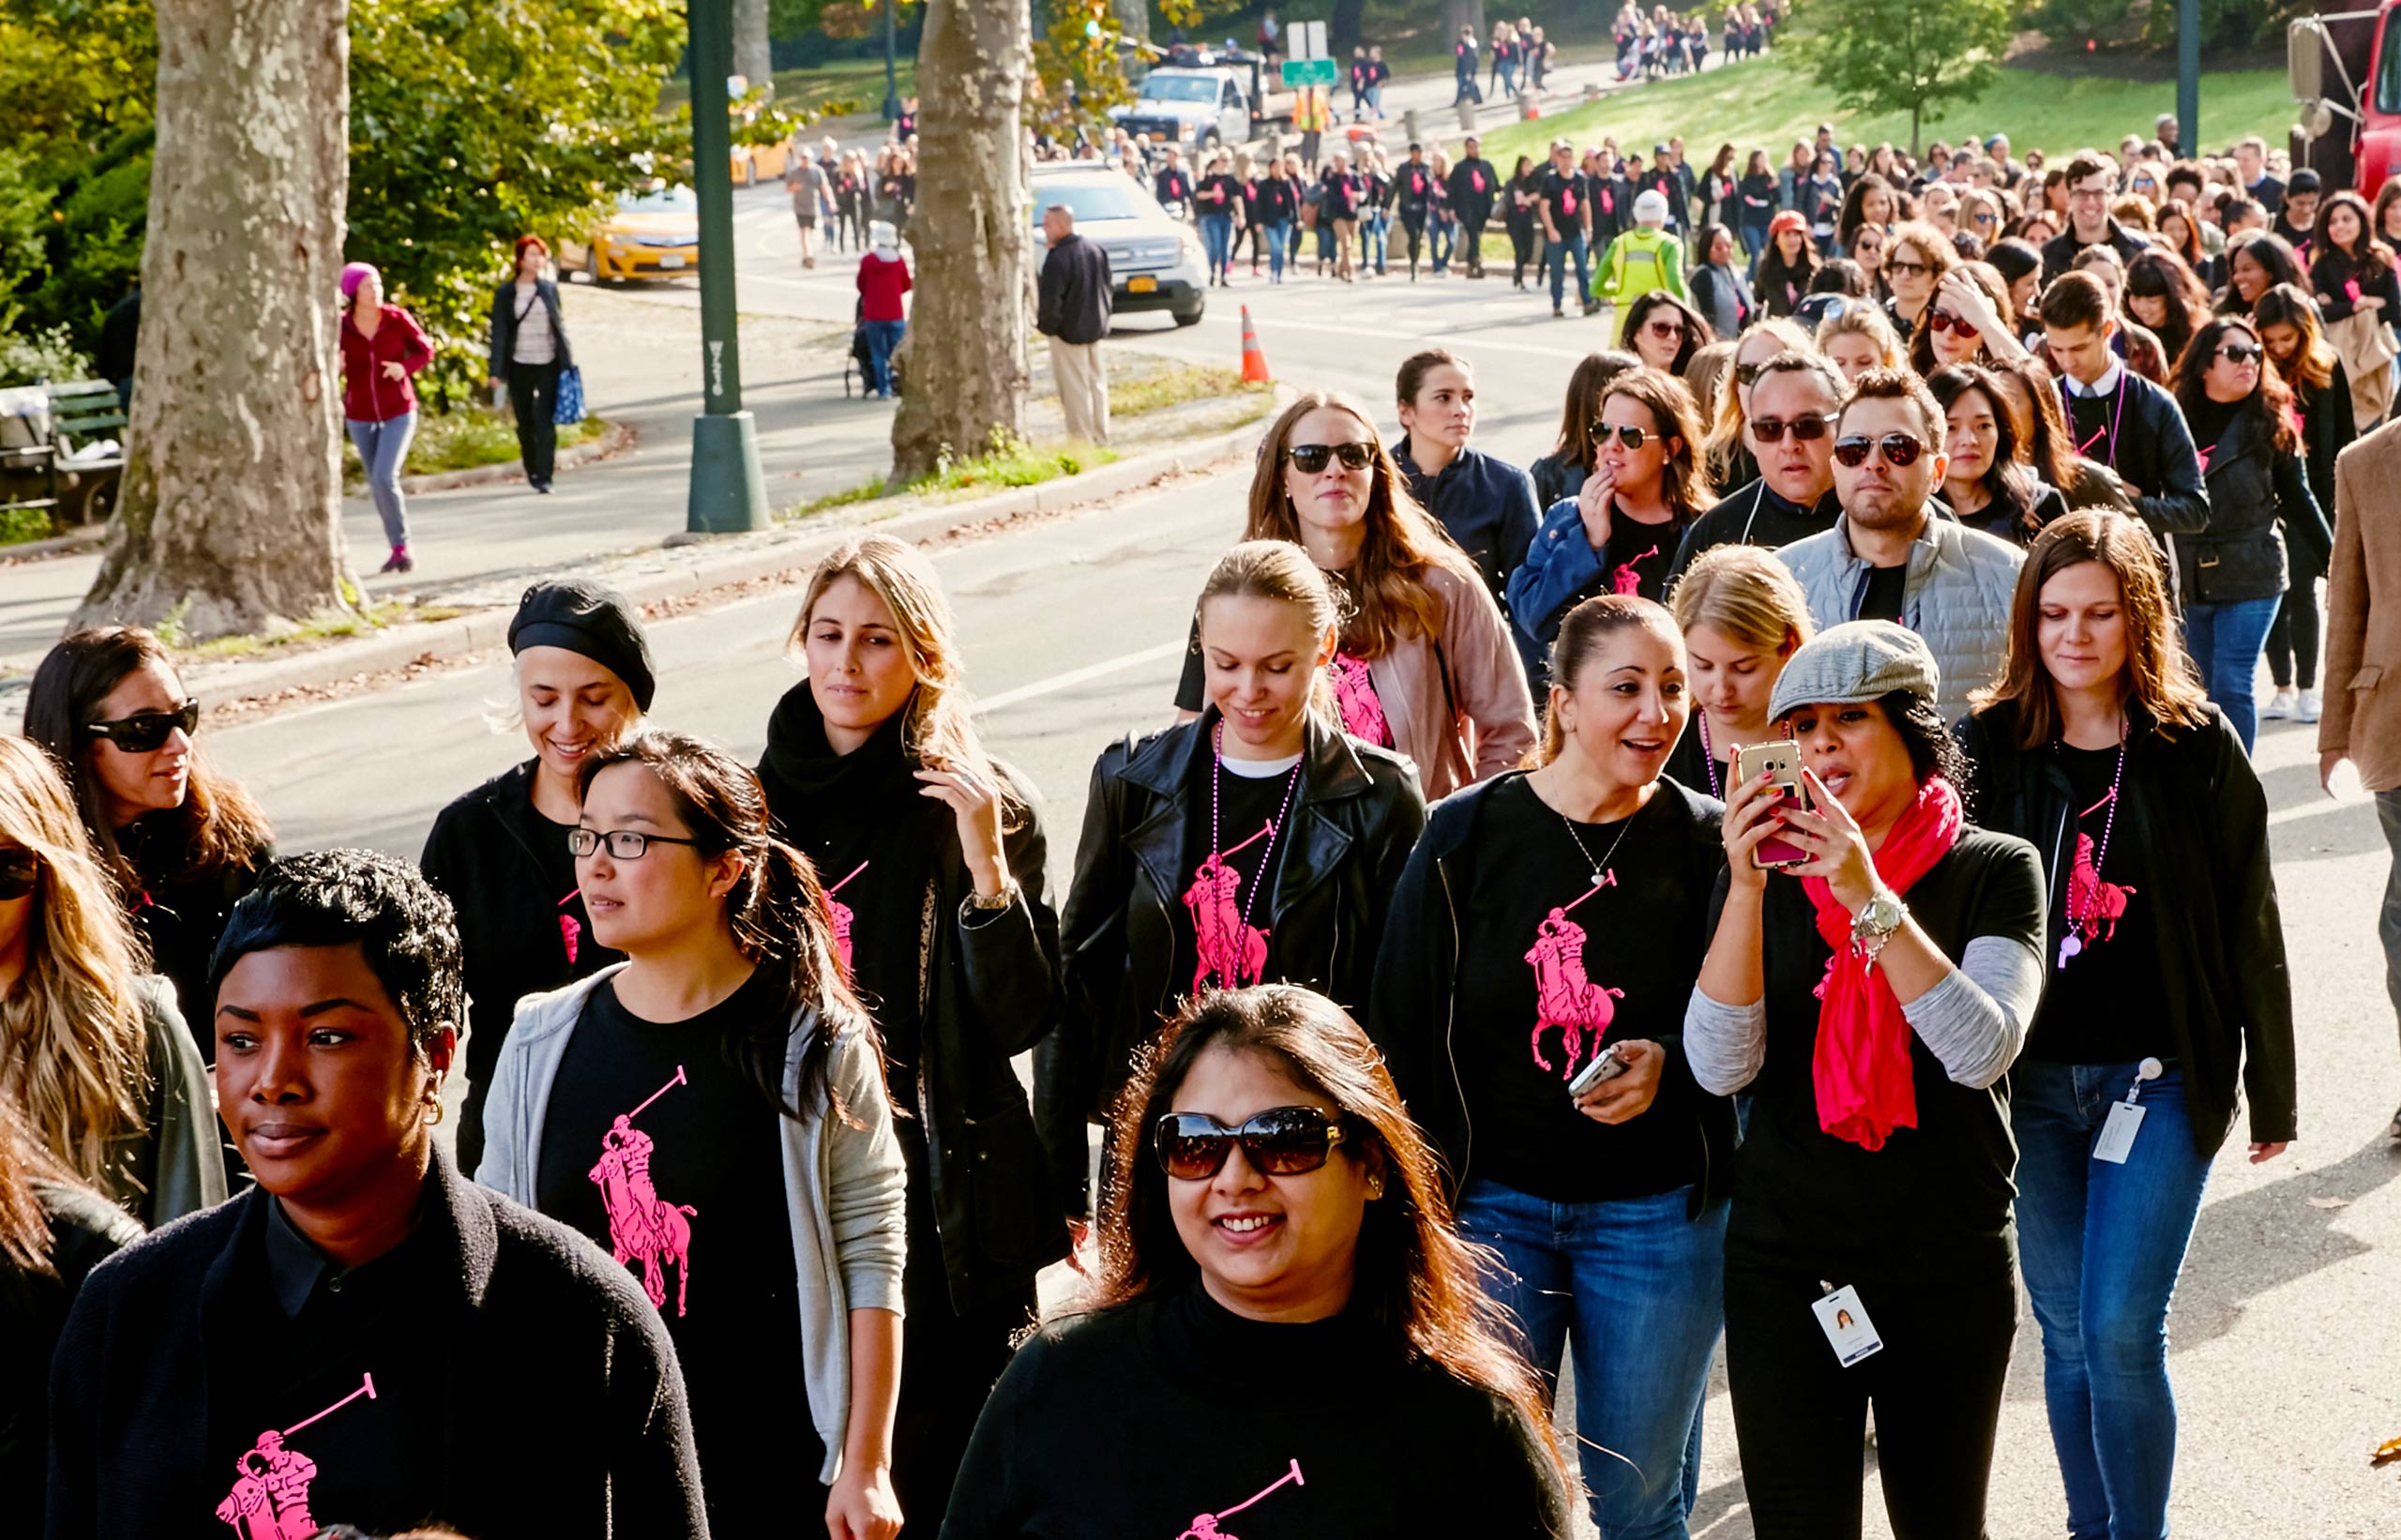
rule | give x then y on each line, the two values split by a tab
2117	1141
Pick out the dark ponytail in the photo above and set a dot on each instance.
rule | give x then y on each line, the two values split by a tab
777	911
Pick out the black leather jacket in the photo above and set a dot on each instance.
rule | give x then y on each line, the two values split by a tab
1356	817
2254	487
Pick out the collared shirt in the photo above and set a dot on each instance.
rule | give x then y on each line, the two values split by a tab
294	1266
2106	385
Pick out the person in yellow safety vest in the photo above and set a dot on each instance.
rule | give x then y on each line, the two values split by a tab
1640	260
1311	112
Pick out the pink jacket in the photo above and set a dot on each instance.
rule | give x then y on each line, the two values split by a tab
367	396
1457	703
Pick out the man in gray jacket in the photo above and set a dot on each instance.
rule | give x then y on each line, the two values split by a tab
1893	554
1074	296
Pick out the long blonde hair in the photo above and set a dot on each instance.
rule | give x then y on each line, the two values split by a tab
78	1064
937	728
1726	417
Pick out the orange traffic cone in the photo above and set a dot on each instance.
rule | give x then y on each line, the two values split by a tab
1254	363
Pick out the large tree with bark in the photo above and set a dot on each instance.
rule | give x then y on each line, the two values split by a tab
966	352
753	57
230	516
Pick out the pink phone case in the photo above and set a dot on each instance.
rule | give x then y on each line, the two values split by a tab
1773	852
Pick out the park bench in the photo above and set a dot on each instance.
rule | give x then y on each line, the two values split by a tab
55	453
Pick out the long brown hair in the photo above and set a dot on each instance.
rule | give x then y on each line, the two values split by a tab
1995	288
24	1224
1581	632
1389	598
1684	481
2158	674
218	829
1415	1279
2312	369
1585	388
1726	413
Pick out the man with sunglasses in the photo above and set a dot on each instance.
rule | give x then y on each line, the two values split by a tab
2089	188
1790	432
1895	553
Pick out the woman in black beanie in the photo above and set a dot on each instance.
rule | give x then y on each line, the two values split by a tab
499	852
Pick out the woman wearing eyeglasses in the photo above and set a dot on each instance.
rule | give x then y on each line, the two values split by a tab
2232	575
1665	332
1969	322
1621	532
718	1099
1283	1329
1742	616
932	854
99	1064
1870	996
1917	258
583	677
1550	921
2168	987
1261	840
1987	483
181	841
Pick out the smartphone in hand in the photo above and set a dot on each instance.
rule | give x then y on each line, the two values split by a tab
1783	759
1608	1065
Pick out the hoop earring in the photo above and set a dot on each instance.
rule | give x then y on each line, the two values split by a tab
434	1114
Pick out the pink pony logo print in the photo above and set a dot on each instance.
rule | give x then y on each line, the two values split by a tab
1626	578
1230	948
570	929
642	1227
842	917
1207	1527
271	1496
1363	715
1565	996
2093	907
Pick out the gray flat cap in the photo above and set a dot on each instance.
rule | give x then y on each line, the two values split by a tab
1858	660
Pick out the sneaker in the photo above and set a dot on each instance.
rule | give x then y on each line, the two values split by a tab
2279	707
2311	704
398	561
1558	315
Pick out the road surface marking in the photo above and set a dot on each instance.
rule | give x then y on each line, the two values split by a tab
1073	677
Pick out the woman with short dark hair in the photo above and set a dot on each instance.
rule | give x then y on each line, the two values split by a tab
1277	1220
528	354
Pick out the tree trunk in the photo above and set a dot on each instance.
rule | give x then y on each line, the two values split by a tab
231	513
1456	14
752	58
1133	19
1345	29
965	353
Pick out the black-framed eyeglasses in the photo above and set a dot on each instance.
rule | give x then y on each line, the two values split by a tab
1630	435
20	869
1899	449
1309	458
623	844
1806	428
146	731
1280	1141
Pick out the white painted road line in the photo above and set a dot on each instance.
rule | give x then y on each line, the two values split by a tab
1077	676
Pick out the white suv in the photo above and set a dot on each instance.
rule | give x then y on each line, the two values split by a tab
1155	262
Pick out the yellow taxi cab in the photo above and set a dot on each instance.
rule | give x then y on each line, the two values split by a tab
653	235
756	163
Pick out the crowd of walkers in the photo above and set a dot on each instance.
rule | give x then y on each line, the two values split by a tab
1782	870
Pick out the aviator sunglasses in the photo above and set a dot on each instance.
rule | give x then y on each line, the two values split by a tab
147	731
1900	449
1309	458
1281	1142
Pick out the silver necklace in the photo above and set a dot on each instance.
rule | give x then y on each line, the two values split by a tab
1601	875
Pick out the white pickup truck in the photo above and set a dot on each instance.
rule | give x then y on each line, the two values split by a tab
1202	97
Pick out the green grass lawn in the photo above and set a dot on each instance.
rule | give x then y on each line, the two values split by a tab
848	84
1768	103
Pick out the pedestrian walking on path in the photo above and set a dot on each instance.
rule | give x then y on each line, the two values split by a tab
883	318
382	346
806	181
528	354
1073	294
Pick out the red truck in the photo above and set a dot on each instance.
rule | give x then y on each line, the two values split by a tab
2345	65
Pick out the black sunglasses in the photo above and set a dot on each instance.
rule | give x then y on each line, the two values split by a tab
2239	352
1309	458
146	731
19	869
1281	1142
1900	449
1807	429
1750	373
1907	269
623	844
1632	437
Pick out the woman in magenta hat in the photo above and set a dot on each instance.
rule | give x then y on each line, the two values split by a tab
382	345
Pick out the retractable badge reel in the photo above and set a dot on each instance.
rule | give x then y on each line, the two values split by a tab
2116	1138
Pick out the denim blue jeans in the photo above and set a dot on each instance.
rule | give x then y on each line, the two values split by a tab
1218	236
1637	1288
1278	237
1441	236
1372	229
2102	1245
382	449
2225	641
882	338
1554	256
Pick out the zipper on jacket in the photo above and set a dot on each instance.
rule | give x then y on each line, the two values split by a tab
1450	1025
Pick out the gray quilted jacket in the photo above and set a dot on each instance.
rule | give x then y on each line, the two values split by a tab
1956	597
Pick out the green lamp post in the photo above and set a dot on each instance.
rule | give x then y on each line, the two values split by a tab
729	493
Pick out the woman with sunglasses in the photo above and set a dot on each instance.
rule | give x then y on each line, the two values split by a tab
1665	332
1594	1189
1969	322
182	842
499	852
1869	993
1562	472
1620	533
1742	616
2322	403
100	1065
724	1083
1989	486
1867	253
1916	260
1281	1318
1785	269
933	857
2168	987
2232	576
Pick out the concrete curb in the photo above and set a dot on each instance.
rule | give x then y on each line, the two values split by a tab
618	438
756	558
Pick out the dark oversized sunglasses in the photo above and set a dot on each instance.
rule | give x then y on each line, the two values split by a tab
1281	1142
1899	449
1630	435
1309	458
1906	268
19	869
623	844
2239	353
1807	429
147	731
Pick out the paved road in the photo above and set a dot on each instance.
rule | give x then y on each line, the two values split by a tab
2285	1346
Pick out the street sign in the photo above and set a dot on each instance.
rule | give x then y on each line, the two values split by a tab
1309	41
1299	72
